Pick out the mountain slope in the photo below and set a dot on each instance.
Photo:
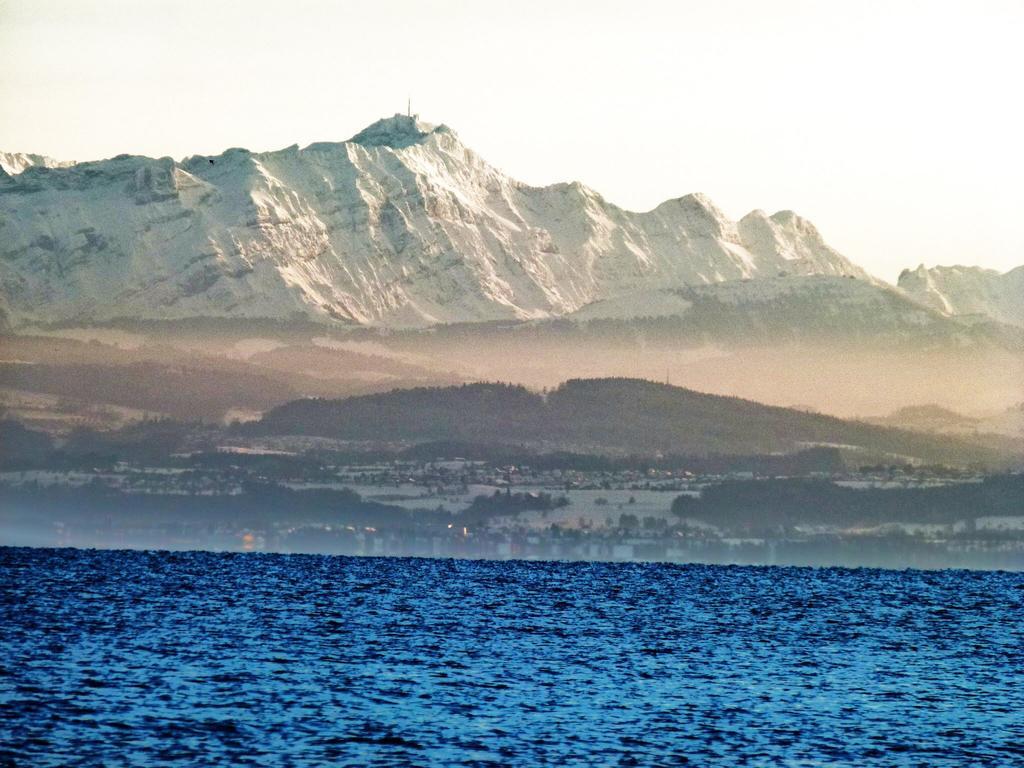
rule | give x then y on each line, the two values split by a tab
969	291
773	309
624	415
400	226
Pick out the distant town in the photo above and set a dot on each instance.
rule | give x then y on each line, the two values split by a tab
263	499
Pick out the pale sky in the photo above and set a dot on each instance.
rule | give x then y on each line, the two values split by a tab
897	127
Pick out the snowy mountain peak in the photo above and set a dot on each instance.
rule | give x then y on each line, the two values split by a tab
791	221
699	199
699	205
13	163
400	226
397	132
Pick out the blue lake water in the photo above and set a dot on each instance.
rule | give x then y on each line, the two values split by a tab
201	659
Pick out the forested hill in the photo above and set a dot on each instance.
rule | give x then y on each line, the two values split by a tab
615	415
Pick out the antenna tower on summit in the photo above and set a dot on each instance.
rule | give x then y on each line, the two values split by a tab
408	107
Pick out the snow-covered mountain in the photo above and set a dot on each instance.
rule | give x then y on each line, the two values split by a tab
15	162
401	226
812	309
969	291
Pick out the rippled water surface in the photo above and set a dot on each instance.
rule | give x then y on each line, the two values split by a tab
201	659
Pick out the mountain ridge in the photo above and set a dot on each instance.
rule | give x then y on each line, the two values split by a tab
400	226
13	163
617	414
968	291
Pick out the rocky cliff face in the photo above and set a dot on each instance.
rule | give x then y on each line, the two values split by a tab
400	226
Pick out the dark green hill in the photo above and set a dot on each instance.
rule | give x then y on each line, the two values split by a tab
494	413
614	415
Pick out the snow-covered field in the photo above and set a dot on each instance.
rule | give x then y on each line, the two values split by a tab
592	507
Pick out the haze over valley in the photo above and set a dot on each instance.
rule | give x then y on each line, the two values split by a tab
401	256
